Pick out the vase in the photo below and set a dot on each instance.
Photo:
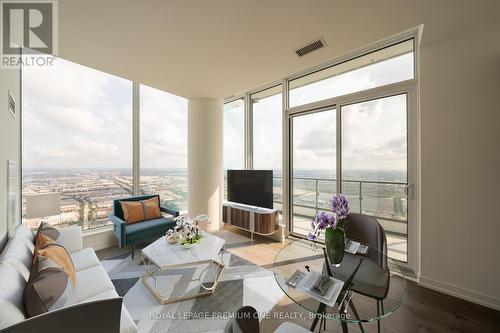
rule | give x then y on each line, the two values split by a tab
335	245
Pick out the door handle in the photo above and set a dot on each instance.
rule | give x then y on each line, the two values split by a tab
409	191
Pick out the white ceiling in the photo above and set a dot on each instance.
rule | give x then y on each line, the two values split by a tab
217	48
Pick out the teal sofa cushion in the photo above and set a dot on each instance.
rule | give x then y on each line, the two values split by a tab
148	229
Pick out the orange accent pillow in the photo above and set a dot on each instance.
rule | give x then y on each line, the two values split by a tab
58	254
41	241
133	211
152	208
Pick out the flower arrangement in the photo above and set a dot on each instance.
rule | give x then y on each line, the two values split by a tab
186	230
339	206
333	224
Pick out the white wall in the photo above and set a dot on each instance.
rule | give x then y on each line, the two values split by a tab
99	239
460	121
10	79
205	188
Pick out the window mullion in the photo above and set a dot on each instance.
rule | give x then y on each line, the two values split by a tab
136	138
248	132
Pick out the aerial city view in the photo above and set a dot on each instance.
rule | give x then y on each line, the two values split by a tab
87	195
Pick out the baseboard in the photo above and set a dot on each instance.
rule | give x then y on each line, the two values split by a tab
463	293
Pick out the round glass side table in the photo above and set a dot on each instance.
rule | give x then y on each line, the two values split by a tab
374	291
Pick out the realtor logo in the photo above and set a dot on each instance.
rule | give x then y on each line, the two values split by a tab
29	27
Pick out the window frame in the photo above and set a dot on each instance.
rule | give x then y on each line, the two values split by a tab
135	146
409	87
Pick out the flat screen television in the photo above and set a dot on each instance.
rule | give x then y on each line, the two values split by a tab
250	187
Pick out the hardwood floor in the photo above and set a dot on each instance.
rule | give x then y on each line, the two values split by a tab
425	310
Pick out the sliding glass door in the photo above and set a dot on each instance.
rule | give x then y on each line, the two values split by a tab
313	166
363	142
374	159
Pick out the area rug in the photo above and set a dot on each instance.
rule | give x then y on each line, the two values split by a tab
241	283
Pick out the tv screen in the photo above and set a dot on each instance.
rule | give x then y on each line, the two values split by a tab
250	187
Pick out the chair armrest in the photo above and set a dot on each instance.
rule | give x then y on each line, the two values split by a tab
174	213
71	238
116	220
119	229
104	315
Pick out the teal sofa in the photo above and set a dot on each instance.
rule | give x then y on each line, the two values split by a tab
131	234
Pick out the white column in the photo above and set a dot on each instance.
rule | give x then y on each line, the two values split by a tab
205	186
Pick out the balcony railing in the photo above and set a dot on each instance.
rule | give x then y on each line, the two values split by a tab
385	200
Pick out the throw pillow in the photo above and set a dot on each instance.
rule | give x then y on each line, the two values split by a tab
41	241
49	288
49	231
151	208
133	211
58	254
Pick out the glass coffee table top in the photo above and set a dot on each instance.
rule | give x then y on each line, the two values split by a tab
378	277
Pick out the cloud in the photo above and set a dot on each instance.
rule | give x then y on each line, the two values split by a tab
233	136
267	133
163	129
314	141
320	141
77	117
374	134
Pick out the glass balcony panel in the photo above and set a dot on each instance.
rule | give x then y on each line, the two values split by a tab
385	200
326	189
352	191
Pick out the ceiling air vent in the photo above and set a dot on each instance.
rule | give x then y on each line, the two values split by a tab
313	46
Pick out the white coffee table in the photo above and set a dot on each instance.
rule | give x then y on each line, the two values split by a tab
166	266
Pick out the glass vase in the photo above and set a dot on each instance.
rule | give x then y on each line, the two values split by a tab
335	245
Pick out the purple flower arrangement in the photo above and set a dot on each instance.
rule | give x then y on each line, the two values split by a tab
339	206
337	218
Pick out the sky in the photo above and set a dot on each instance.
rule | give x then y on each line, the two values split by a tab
373	133
163	129
234	135
267	133
78	117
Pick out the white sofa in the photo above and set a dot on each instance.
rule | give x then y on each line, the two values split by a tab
93	285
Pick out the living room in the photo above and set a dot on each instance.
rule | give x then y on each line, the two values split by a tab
192	166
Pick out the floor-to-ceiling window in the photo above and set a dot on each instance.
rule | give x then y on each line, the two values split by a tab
77	139
267	124
350	128
163	147
77	142
234	137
